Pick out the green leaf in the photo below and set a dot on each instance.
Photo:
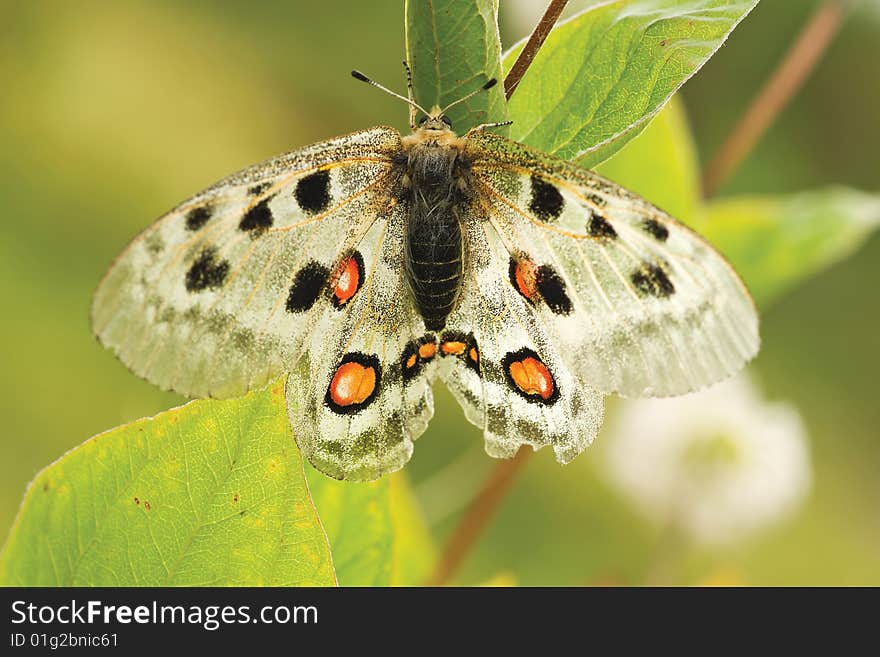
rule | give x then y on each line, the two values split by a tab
376	532
413	553
453	48
774	242
357	520
210	493
661	164
602	75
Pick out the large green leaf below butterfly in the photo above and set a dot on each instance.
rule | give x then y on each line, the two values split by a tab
376	530
212	493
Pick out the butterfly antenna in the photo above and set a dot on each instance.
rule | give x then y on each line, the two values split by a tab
357	75
491	83
410	94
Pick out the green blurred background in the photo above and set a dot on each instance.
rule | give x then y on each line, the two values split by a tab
114	111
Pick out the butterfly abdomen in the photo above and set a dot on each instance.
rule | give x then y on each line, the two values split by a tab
434	265
434	250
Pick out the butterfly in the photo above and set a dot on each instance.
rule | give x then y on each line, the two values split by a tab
368	266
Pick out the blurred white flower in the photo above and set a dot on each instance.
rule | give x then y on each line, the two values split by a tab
719	464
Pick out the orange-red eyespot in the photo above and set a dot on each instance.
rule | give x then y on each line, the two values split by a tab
532	377
354	384
349	278
529	376
427	350
523	276
464	346
416	353
453	348
409	361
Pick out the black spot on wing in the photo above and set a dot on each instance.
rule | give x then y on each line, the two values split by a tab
546	202
258	219
256	190
206	272
410	364
154	243
597	200
552	289
198	217
307	286
652	280
313	192
656	229
598	226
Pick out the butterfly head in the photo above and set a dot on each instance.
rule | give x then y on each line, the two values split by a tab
435	120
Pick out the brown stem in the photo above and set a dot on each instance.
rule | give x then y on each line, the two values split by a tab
477	515
778	90
533	45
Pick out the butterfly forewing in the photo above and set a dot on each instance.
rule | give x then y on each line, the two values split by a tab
215	297
645	304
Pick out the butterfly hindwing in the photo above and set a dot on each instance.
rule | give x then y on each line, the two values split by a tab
361	393
503	367
647	305
217	296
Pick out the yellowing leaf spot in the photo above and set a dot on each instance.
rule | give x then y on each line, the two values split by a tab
274	467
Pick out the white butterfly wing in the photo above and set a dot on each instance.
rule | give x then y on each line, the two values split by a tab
642	305
511	378
361	393
217	296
